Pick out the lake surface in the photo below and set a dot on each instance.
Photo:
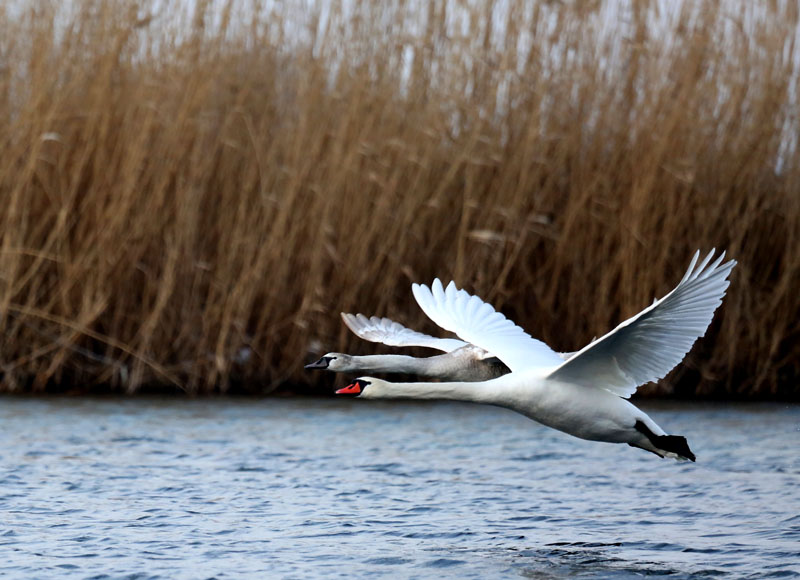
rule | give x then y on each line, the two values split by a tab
314	488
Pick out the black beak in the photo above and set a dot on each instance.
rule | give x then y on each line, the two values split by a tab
320	364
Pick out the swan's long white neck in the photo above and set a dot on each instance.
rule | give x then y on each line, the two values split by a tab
435	366
487	392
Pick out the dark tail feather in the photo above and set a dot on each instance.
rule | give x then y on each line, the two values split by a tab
672	443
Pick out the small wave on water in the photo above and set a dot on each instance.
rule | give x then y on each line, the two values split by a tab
305	488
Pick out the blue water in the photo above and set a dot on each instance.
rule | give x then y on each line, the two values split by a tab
307	488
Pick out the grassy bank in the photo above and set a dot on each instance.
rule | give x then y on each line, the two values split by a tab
191	199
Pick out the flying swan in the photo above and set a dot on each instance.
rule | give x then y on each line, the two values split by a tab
585	395
461	361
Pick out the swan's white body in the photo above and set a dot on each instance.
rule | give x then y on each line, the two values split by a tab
584	395
588	413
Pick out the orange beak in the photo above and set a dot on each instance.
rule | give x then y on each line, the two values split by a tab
353	389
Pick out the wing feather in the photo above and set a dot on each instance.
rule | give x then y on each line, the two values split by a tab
479	323
647	346
389	332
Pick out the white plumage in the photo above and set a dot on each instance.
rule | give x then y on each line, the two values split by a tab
584	395
647	346
391	333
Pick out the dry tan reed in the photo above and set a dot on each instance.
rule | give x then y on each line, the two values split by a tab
190	200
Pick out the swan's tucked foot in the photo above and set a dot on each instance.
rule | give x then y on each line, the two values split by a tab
674	446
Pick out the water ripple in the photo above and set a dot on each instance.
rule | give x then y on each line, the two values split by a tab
154	488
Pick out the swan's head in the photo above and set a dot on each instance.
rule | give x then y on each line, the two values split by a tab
357	388
333	361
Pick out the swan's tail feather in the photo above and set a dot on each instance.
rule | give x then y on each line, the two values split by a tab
674	446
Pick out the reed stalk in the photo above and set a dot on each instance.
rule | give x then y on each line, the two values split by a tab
190	197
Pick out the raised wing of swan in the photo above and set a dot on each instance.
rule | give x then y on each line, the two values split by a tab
391	333
477	322
647	346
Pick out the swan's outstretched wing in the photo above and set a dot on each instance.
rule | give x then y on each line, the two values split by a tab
649	345
393	333
477	322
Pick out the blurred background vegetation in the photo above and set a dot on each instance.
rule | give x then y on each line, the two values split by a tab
191	193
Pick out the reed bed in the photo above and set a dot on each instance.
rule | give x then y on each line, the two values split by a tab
190	197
